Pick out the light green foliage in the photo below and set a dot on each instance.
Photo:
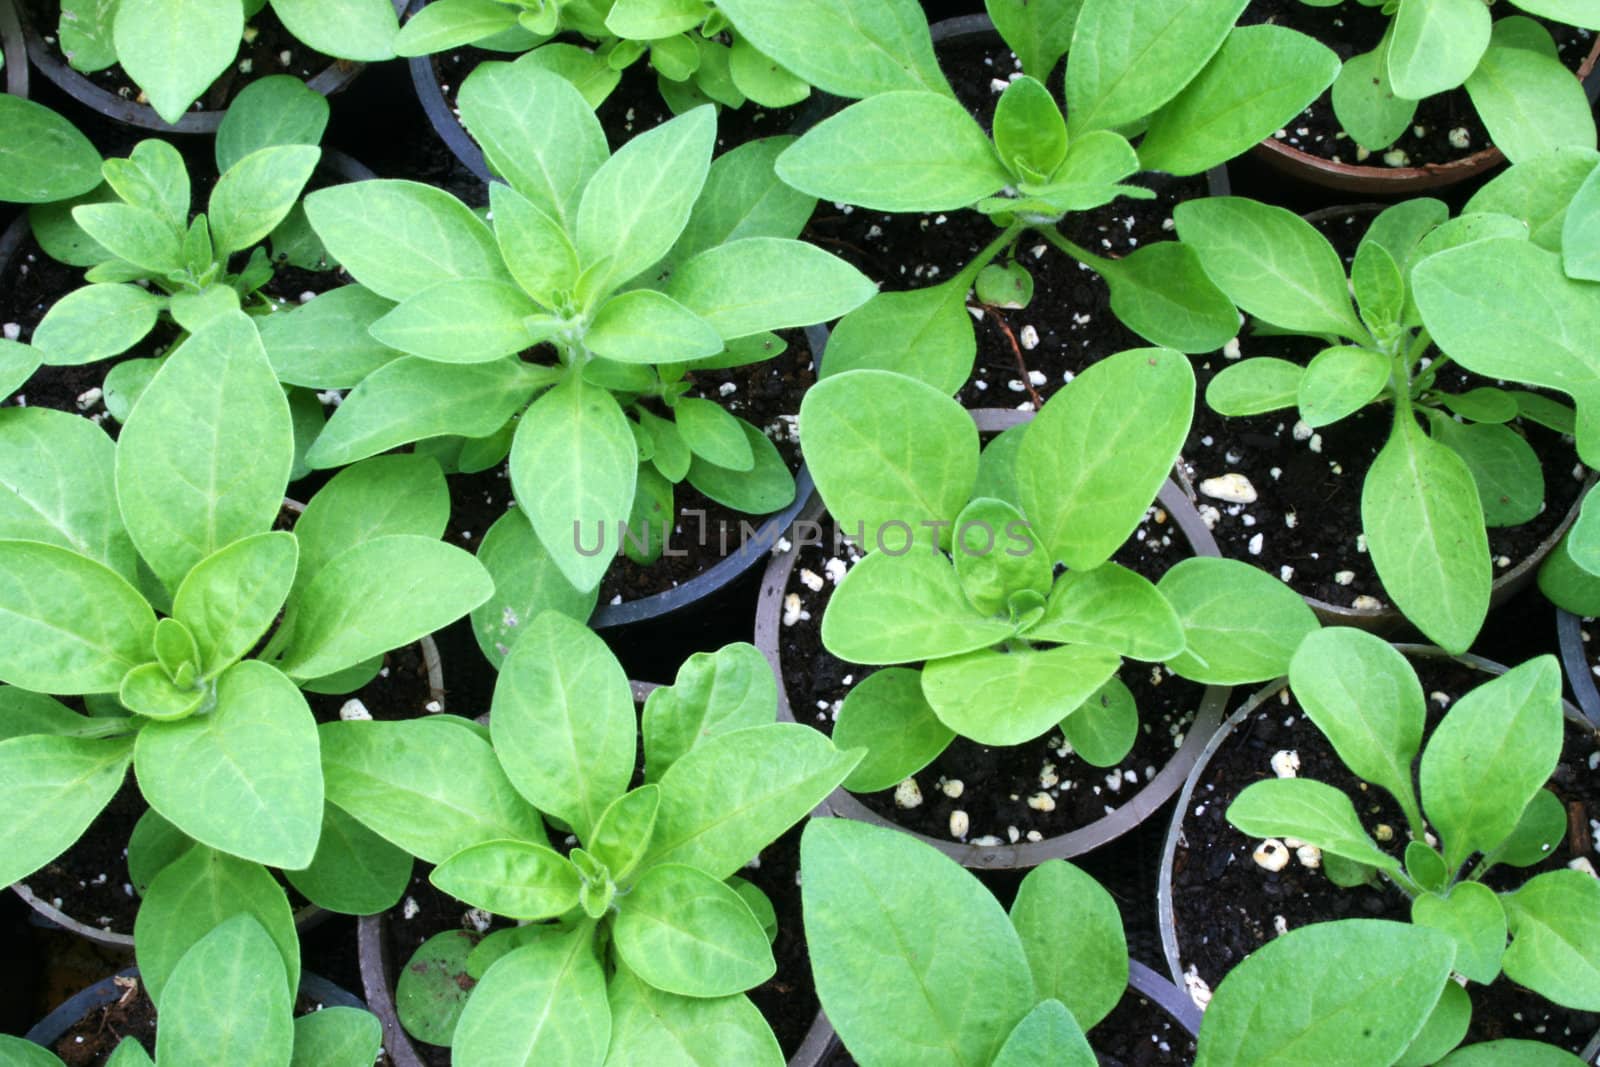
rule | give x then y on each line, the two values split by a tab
43	157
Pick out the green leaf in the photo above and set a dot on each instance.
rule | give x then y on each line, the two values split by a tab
232	596
743	197
393	494
354	871
276	110
1241	624
571	1023
1162	293
1483	404
638	201
850	50
1538	192
1039	33
711	432
1340	381
1040	687
52	788
1104	728
1272	263
644	326
1071	930
431	990
23	713
51	644
908	950
427	785
901	608
56	486
1312	811
622	836
465	320
236	963
1471	914
1112	607
1424	529
1255	386
1527	98
714	693
243	779
95	321
452	23
1096	454
1047	1034
897	151
1302	990
1509	1052
1447	1024
537	251
1435	45
255	194
1365	698
1131	59
646	20
537	130
324	344
665	1030
1029	132
731	796
23	1053
196	893
18	362
1379	287
757	284
1491	754
1504	467
1580	230
886	449
85	31
1538	832
527	581
1555	938
174	49
44	157
360	30
512	878
1260	78
397	238
153	178
996	556
886	714
573	468
337	1037
204	458
148	691
683	931
765	488
412	399
922	333
563	721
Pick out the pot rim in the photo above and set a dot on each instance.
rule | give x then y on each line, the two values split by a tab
15	49
332	78
48	1031
1166	917
1575	663
1170	999
1139	807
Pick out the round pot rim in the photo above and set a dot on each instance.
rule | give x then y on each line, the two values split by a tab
332	78
1170	999
15	49
1569	630
1505	585
1166	916
1401	181
307	918
1139	807
48	1031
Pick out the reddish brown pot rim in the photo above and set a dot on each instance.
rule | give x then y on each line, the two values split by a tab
1388	619
1156	792
1165	913
328	81
15	49
1399	181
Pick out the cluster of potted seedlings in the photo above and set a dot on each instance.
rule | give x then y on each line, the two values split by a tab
1091	449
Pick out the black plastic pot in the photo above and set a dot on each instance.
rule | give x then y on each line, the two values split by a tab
106	991
1165	912
1575	664
15	49
333	78
1156	792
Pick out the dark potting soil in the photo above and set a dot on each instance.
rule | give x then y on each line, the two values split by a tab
1009	794
29	284
1024	355
258	57
91	1040
766	395
787	1000
1351	29
400	691
1305	524
1226	905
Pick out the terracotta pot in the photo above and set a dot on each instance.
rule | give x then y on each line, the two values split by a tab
1023	854
1165	912
330	80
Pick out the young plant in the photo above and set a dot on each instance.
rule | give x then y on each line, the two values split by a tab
143	577
911	952
1523	93
641	930
1479	784
1199	90
149	262
697	55
227	1000
631	270
1454	463
961	566
173	50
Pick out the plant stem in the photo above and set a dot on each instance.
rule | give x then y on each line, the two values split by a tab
968	274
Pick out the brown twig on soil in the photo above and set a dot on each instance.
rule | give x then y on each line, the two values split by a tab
1016	350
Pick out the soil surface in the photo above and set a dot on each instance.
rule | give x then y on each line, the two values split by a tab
1226	905
1352	29
400	691
1008	794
